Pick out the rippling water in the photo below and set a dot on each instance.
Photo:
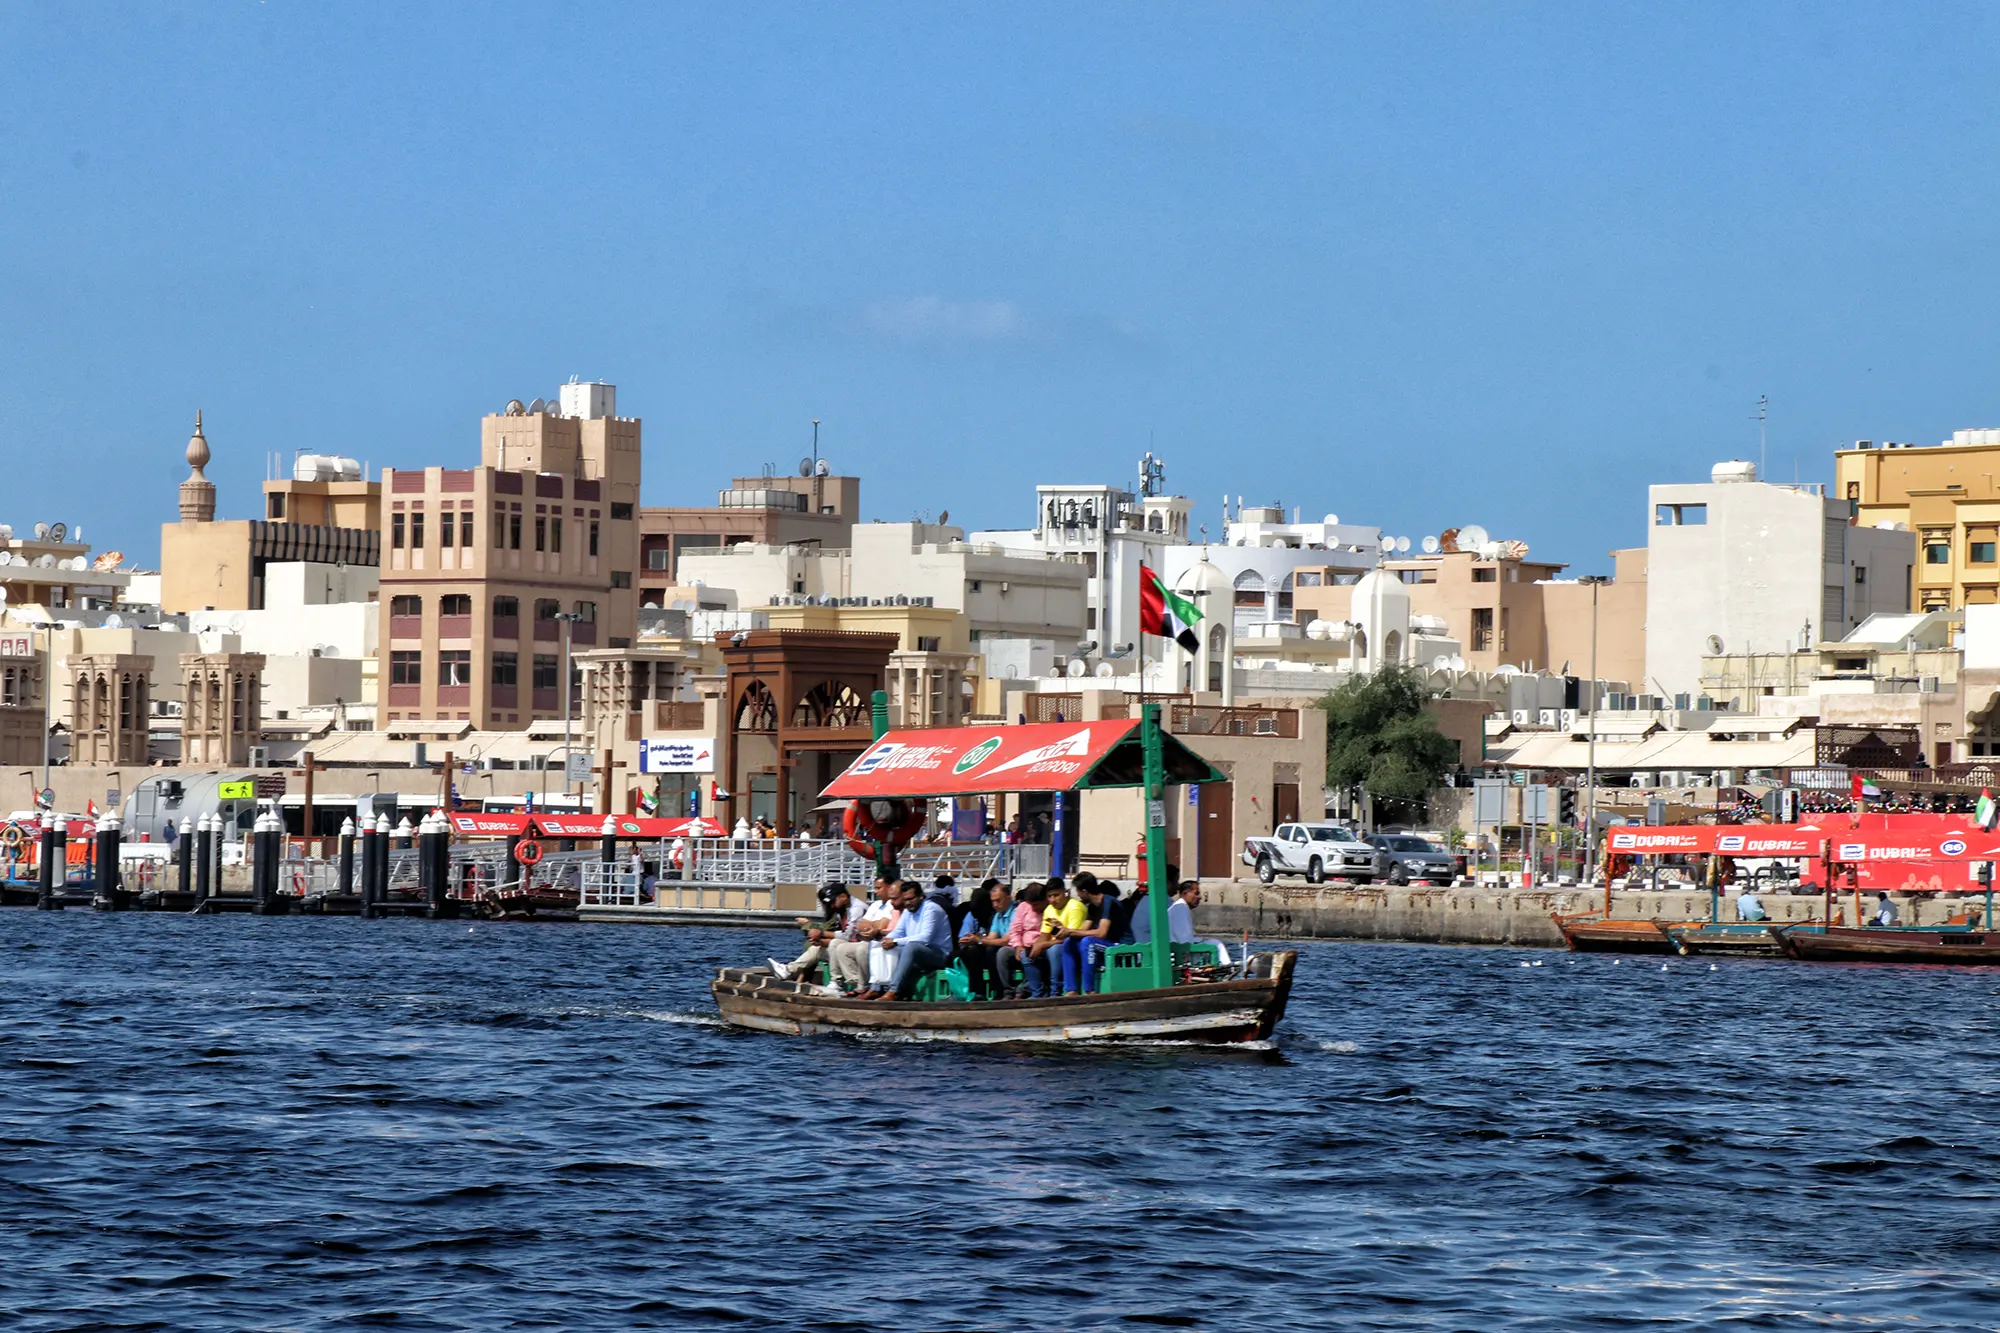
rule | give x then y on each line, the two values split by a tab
302	1124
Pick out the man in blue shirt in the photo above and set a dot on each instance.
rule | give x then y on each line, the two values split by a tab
920	942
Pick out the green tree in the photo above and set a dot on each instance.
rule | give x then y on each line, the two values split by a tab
1380	739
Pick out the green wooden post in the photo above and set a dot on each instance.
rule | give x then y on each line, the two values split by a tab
1162	960
878	718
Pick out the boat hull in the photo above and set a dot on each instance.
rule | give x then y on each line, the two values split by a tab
1219	1012
1591	933
1746	941
1846	944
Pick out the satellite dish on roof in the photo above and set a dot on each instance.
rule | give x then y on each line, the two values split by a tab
823	469
1471	537
1077	668
805	467
59	532
1432	546
1714	645
45	562
114	621
41	532
1105	671
537	406
1402	544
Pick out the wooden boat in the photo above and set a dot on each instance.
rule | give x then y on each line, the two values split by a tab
1238	1010
1956	945
1592	932
1742	939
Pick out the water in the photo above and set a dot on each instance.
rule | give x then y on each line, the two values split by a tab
310	1124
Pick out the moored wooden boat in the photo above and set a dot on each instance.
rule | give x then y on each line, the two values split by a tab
1895	944
1742	939
1236	1010
1591	932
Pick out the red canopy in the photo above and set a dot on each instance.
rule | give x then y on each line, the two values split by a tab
1038	756
627	826
470	824
1927	838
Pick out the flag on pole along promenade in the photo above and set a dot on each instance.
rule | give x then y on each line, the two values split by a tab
1164	612
1984	810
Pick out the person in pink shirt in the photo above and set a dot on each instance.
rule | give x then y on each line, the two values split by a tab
1023	932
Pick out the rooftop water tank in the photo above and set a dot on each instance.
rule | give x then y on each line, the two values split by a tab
1735	470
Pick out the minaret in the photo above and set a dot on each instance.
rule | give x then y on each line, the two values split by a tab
197	492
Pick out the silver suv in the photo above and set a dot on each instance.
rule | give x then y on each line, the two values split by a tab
1403	857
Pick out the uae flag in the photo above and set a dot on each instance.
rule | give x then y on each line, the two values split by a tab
1984	811
1166	613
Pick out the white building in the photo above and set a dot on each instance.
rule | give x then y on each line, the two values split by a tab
1736	565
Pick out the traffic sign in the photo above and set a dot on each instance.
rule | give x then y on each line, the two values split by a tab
235	791
577	768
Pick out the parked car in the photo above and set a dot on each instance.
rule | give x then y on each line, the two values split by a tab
1314	850
1403	857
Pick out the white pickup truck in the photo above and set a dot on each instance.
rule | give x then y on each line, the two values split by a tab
1314	850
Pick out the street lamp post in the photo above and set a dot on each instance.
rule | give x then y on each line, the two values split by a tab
567	618
1595	581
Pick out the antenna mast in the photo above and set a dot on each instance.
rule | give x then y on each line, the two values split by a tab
1763	407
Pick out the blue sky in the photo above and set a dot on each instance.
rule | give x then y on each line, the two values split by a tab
1417	265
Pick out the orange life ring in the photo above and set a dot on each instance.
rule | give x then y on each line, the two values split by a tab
866	835
528	852
12	837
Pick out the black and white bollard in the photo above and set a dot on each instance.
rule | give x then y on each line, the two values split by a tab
365	850
346	854
403	834
108	894
381	865
59	861
47	876
263	880
204	836
434	865
184	857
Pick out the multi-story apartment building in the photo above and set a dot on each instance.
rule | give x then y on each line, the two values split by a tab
483	568
1945	494
816	510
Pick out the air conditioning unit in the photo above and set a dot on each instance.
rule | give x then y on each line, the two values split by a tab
1615	700
1546	716
1523	717
260	757
1927	684
1568	719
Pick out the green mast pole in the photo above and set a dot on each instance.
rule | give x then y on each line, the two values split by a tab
1156	845
878	718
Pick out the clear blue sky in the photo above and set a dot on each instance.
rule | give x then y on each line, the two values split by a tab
1417	265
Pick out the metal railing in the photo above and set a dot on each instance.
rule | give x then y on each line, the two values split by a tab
620	886
1205	720
766	861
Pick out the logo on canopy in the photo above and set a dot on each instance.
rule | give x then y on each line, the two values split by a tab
977	755
1070	748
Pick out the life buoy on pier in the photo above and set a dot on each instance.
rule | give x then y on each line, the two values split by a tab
528	852
869	826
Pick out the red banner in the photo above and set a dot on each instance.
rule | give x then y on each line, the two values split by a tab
1879	838
626	826
963	761
471	824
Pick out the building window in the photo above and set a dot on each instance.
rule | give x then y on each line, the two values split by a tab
1307	578
972	585
1482	629
1486	575
1090	618
447	529
541	533
621	578
1854	490
546	608
506	668
499	528
417	530
406	606
514	530
546	672
455	604
927	643
555	535
1979	553
406	668
465	529
1937	553
506	608
586	613
277	504
621	510
1860	576
657	559
1679	516
455	667
593	536
396	531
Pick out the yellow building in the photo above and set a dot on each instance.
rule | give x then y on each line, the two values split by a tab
325	514
1947	496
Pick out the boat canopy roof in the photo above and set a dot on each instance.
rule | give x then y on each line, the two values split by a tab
1923	838
473	824
1035	756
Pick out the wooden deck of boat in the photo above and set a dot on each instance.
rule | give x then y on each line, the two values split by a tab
1246	1009
1847	944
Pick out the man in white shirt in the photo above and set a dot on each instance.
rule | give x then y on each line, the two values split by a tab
1748	906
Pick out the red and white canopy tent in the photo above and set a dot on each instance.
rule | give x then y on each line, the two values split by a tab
472	824
1037	757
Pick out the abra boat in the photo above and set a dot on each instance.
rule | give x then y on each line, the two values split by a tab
1592	932
1960	945
1241	1009
1742	939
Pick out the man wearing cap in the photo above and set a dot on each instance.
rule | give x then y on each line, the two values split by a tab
835	928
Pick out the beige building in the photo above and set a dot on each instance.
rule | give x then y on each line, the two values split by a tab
1504	612
1946	495
325	514
485	568
816	512
221	707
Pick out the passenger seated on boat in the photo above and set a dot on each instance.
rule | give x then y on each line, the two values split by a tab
1138	912
1749	907
920	943
982	932
1079	951
840	914
1180	919
1885	911
876	923
1024	932
1064	913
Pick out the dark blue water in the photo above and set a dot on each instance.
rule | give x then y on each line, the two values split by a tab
305	1124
